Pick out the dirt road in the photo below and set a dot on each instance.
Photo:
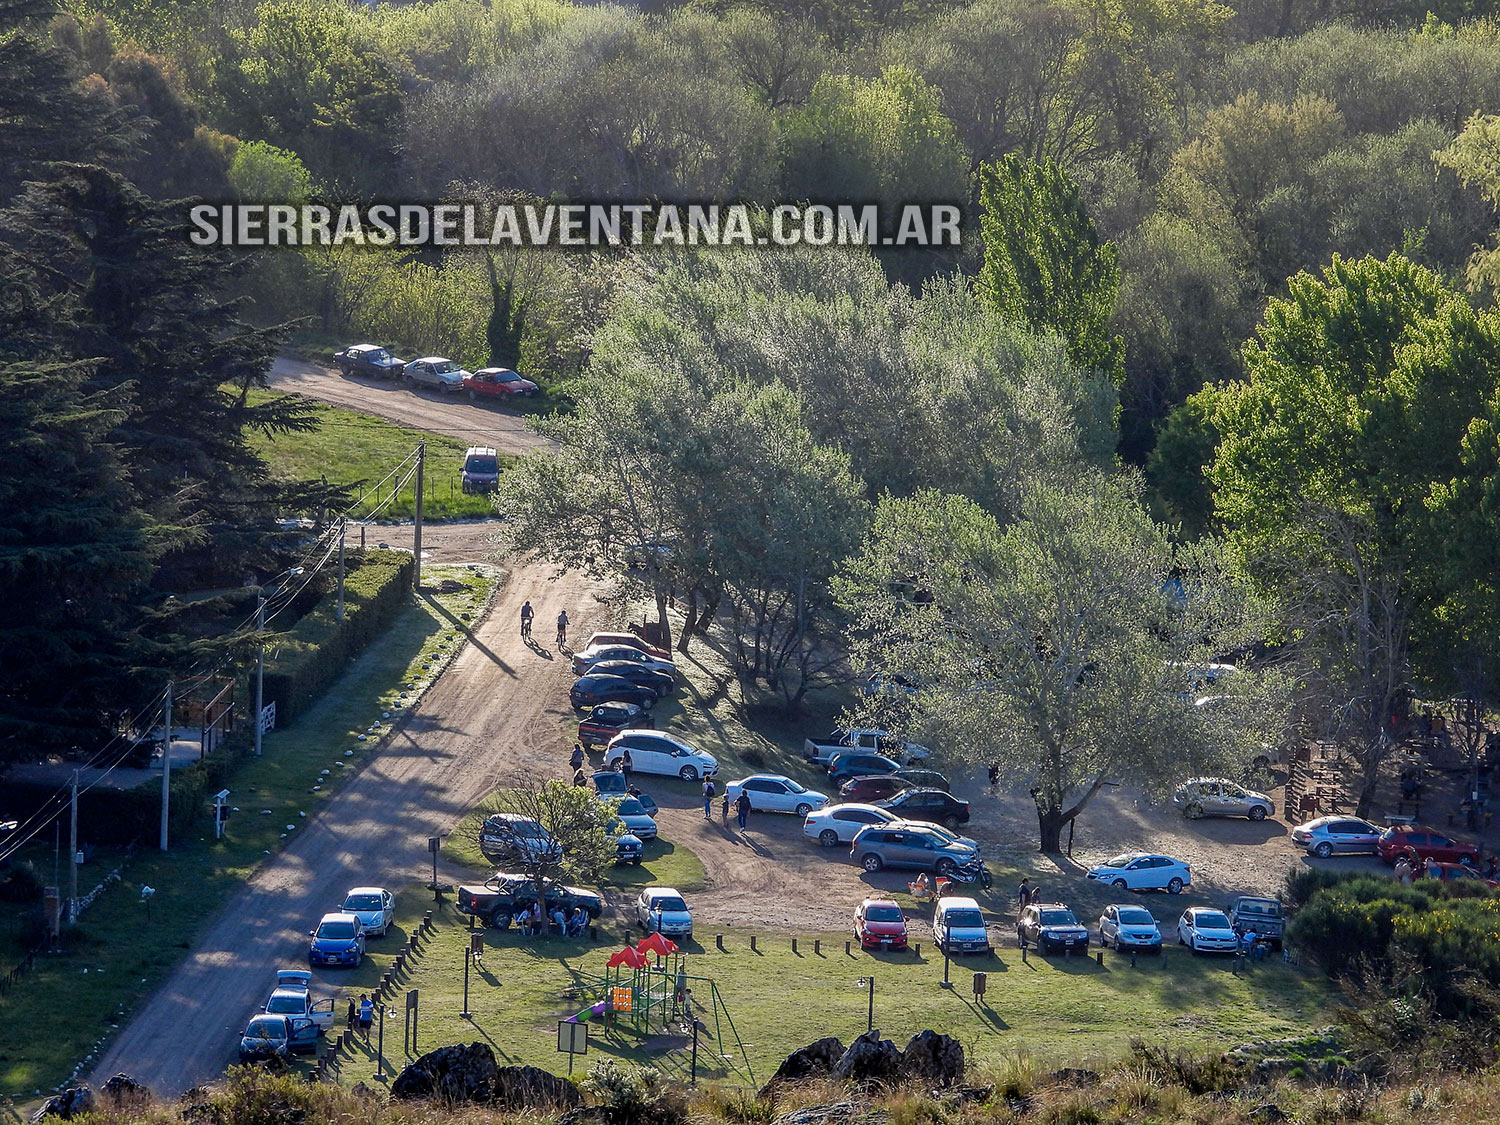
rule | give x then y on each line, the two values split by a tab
478	423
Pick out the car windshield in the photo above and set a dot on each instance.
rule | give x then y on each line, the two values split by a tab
1136	918
1212	920
670	905
286	1005
507	377
380	355
1058	918
890	912
445	367
337	931
972	919
529	828
791	785
362	902
483	465
631	807
1265	909
1119	861
264	1027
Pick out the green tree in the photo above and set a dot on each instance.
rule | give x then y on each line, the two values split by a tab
1052	649
1474	156
577	818
1044	264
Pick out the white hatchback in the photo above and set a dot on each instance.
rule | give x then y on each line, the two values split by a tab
771	792
1143	871
837	824
656	751
1207	931
662	910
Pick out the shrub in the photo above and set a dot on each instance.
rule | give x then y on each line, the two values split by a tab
19	882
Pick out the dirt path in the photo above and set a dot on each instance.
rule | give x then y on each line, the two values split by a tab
478	423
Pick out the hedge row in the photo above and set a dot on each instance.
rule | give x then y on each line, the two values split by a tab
304	662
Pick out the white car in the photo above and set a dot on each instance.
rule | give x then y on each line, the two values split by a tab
656	751
595	654
436	372
375	907
837	824
1127	926
1205	930
662	910
292	997
771	792
1143	871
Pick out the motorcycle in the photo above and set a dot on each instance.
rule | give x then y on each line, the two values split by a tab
972	872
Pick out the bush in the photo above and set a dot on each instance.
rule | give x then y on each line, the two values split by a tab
19	882
318	648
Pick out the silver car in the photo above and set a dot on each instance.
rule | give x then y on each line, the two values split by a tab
1336	834
1217	796
1127	926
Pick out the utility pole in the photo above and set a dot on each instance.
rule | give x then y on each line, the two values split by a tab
73	853
166	763
416	543
339	613
260	667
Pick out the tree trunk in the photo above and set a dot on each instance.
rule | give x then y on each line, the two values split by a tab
1050	823
661	617
1370	760
707	614
687	620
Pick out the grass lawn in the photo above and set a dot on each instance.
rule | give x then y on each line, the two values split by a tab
348	446
1054	1009
55	1015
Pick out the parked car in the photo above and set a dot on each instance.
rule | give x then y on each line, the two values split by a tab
872	787
370	360
1204	930
902	843
292	998
375	907
879	924
771	792
661	683
629	849
655	751
837	824
607	720
1428	843
958	926
590	691
1126	926
498	382
1458	872
839	741
858	763
1143	871
436	372
279	1037
637	821
1263	917
929	804
1328	835
583	661
1051	927
338	940
1216	796
924	779
600	640
890	684
503	894
662	910
513	838
481	472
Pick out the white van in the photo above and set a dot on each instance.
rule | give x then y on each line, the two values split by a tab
958	926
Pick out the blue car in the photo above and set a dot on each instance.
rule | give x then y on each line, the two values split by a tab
338	940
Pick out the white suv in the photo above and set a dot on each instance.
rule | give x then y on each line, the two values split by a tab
1142	871
655	751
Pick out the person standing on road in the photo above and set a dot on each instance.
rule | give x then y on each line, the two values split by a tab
742	809
366	1014
527	613
708	798
562	628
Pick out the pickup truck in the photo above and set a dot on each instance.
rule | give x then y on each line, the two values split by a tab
503	894
822	750
292	997
1260	916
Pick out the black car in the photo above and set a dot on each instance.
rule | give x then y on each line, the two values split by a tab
369	359
924	779
587	691
660	682
932	805
858	763
609	719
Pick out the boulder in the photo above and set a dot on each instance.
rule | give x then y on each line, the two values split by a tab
936	1059
870	1059
1267	1112
588	1115
527	1087
72	1102
806	1062
836	1112
123	1090
455	1074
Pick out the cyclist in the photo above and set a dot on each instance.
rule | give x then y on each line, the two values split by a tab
562	628
526	615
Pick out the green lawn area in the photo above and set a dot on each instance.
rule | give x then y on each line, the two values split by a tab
348	446
1059	1010
53	1017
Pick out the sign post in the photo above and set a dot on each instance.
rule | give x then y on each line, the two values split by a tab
433	844
573	1039
411	1023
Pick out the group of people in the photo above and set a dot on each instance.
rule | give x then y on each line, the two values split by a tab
1026	894
527	613
1410	867
362	1015
741	804
531	921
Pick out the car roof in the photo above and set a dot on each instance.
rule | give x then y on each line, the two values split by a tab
881	902
1129	906
433	359
863	806
496	371
910	789
665	736
365	348
662	892
367	891
957	903
337	916
761	777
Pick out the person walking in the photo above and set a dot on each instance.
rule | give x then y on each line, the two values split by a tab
576	758
562	628
1023	895
351	1017
724	808
626	764
527	613
742	809
366	1014
708	798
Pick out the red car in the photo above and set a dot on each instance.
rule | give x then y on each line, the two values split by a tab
607	720
879	924
876	787
602	639
498	382
1453	872
1428	843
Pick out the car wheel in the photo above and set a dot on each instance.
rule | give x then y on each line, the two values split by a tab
946	867
1258	812
410	382
1175	886
1193	811
828	838
1323	850
688	773
803	809
872	863
950	822
1121	885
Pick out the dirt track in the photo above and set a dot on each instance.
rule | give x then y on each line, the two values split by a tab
478	423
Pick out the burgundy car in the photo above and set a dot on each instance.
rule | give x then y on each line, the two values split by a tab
607	720
879	924
498	382
1426	842
868	790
